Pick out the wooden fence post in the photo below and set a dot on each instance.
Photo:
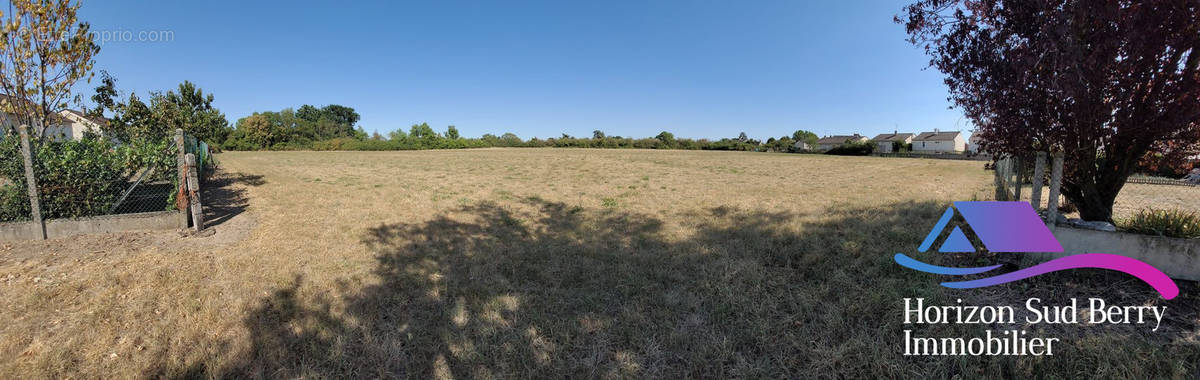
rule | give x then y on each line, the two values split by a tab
1039	171
35	206
1056	169
193	185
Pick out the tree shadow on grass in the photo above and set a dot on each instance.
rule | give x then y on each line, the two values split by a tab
543	289
224	195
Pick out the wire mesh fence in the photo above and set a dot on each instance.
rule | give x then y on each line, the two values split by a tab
94	177
14	200
1150	180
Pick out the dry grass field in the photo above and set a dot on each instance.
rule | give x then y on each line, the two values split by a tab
501	263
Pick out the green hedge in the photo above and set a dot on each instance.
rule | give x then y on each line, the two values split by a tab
78	178
853	149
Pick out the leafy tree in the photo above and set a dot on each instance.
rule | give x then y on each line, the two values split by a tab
132	119
45	52
422	131
330	121
190	109
258	130
598	134
667	138
805	136
308	124
742	137
340	114
308	112
1104	81
452	133
398	135
105	97
491	140
510	139
783	144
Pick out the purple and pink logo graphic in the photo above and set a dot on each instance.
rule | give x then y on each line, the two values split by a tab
1016	227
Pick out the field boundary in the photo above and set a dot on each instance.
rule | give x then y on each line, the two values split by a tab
1159	181
939	156
57	228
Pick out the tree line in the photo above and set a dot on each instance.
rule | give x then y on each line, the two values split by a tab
323	129
335	127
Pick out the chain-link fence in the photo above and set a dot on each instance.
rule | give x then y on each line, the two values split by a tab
14	199
94	177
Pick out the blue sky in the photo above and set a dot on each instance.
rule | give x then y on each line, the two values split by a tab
696	68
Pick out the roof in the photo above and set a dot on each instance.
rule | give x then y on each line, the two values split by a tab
893	137
937	136
81	115
838	139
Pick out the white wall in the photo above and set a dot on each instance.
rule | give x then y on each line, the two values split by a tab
59	132
957	145
68	129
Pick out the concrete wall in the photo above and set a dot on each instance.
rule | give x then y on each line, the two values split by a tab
19	231
163	220
1178	258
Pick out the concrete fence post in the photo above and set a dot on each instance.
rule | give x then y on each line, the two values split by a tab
181	167
1000	178
1056	169
35	205
1018	167
1039	171
193	185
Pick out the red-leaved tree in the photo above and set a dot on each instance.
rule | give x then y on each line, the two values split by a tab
1107	82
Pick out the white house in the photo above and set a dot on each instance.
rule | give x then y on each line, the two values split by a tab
973	143
830	142
66	125
885	142
802	146
74	124
939	142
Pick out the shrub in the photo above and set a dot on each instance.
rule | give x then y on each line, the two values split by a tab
77	178
1172	223
851	148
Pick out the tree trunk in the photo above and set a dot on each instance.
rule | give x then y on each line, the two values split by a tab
1094	201
1093	209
